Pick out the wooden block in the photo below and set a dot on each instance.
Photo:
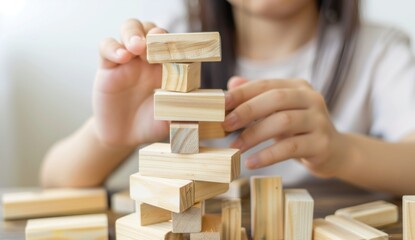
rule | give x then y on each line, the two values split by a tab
299	208
129	227
408	217
362	230
210	164
231	219
375	214
183	47
244	235
149	214
238	188
189	221
324	230
171	194
207	190
198	105
53	202
94	227
209	130
267	208
211	228
122	203
181	77
184	137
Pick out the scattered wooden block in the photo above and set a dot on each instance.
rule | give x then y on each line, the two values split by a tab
198	105
375	214
94	227
189	221
267	208
181	77
210	164
171	194
183	47
209	130
207	190
362	230
244	235
211	228
408	217
122	203
53	202
184	137
299	208
238	188
129	227
149	214
324	230
231	219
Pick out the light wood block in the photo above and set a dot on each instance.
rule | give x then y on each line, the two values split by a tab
375	214
207	190
244	235
184	137
238	188
267	208
211	228
149	214
122	203
183	47
210	130
181	77
198	105
408	217
362	230
129	227
189	221
231	219
210	164
93	227
171	194
298	217
324	230
53	202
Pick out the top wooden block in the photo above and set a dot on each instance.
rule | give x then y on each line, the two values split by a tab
183	47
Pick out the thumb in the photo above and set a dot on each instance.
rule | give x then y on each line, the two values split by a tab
235	82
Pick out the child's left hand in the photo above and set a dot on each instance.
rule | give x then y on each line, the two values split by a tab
290	112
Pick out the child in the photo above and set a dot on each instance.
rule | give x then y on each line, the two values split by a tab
351	118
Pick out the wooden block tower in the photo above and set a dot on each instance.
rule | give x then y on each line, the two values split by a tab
174	179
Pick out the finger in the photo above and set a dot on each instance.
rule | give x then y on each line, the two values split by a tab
113	53
278	125
251	89
265	104
133	36
235	82
154	30
301	146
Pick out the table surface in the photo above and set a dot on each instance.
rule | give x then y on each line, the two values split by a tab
328	196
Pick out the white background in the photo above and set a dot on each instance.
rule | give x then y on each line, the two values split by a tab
48	57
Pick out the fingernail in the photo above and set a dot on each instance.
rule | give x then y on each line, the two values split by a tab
135	39
120	52
252	163
231	120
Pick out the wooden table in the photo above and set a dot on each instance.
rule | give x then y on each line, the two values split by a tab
328	195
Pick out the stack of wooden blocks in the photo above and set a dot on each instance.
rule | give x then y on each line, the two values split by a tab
174	179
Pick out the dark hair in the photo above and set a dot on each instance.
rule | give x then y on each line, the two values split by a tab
216	15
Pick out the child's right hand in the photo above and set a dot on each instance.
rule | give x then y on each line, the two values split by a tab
124	87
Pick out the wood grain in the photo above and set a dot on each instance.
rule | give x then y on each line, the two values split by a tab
408	217
189	221
149	214
324	230
207	190
231	219
211	228
210	130
298	216
362	230
180	77
184	137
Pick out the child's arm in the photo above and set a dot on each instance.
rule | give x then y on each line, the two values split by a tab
123	114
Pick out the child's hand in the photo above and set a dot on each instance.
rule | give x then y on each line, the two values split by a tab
123	89
288	111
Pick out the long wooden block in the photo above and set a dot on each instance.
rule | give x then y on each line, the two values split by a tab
211	228
231	219
210	130
207	190
298	217
171	194
189	221
210	164
198	105
238	188
53	202
122	203
181	77
129	227
93	227
362	230
183	47
324	230
150	215
267	208
408	217
375	214
184	137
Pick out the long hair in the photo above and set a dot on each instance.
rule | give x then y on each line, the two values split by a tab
216	15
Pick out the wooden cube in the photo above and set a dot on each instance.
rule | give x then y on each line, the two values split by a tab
189	221
180	77
184	137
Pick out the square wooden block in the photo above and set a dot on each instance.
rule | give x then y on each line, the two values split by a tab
184	137
180	77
